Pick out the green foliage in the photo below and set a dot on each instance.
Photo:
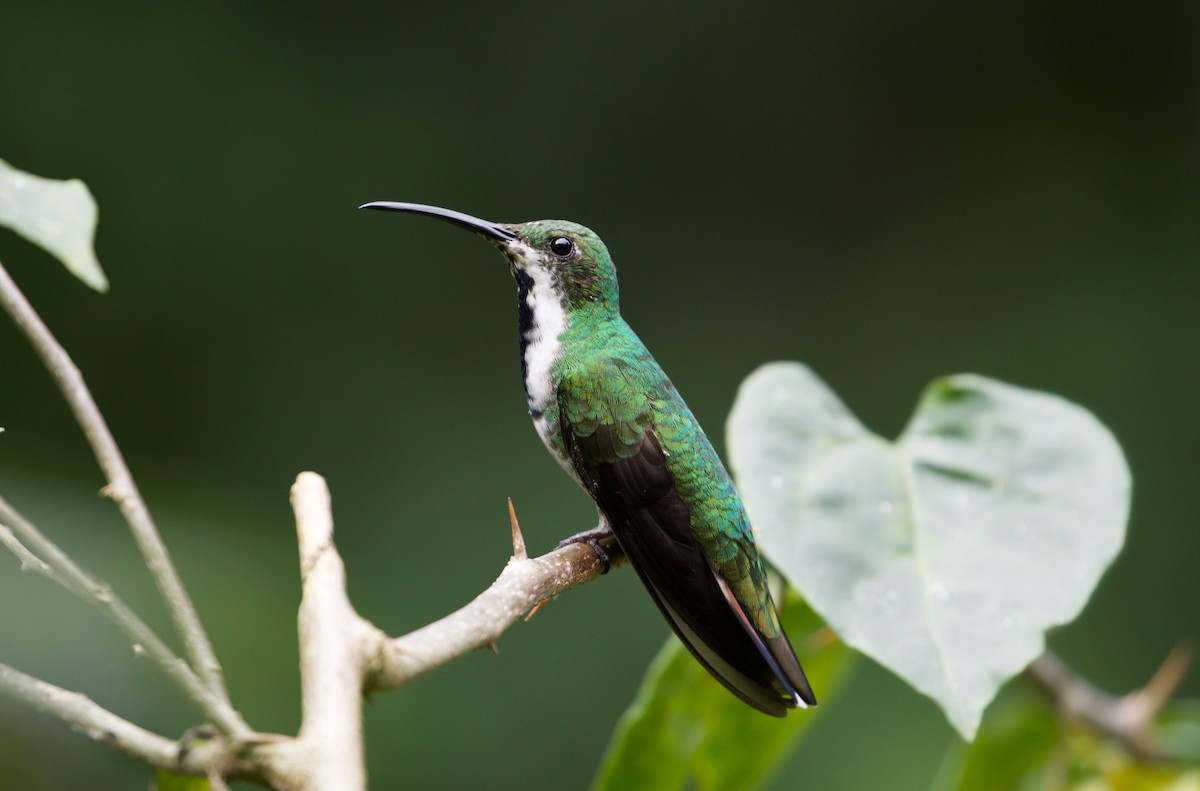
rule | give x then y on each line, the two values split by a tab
169	781
1010	751
1178	732
1023	746
946	554
685	730
58	216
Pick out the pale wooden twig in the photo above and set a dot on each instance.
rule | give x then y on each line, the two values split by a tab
328	752
521	586
40	554
341	657
86	716
121	488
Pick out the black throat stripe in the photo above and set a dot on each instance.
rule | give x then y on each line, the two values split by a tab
525	321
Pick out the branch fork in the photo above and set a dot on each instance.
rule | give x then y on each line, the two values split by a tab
342	655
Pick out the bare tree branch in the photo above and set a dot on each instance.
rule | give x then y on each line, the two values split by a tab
96	722
328	752
525	583
1129	719
41	554
29	561
122	489
341	654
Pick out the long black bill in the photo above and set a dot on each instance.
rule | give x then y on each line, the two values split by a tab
491	230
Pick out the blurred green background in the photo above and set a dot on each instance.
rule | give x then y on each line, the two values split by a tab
887	192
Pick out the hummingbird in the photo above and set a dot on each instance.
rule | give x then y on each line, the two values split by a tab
609	415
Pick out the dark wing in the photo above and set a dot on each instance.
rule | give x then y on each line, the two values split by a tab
626	473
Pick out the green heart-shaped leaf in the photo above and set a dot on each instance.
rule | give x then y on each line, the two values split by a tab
946	554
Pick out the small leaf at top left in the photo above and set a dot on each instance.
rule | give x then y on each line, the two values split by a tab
58	216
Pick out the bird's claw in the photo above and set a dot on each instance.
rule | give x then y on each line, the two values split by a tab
592	538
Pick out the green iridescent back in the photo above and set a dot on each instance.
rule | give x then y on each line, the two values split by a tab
607	377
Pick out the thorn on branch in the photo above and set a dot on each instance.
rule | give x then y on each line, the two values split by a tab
524	584
536	609
518	540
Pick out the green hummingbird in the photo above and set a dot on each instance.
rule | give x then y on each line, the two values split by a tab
610	416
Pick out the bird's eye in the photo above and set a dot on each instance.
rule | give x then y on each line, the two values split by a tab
562	246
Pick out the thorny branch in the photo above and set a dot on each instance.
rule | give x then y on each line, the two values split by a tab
525	584
341	656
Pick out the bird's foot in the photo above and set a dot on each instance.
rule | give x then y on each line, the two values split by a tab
592	538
